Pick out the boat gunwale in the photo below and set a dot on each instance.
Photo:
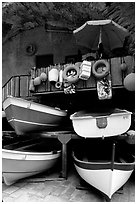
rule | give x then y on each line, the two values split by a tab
73	117
31	122
57	111
31	153
102	165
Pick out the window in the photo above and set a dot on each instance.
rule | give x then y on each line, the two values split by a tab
44	60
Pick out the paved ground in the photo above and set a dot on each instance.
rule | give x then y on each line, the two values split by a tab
51	188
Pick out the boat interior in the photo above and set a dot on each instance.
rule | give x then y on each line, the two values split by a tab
102	150
33	145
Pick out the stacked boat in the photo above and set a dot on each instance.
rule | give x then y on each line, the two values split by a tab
105	162
97	124
27	158
30	157
27	116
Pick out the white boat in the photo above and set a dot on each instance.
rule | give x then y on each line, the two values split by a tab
24	159
27	116
102	172
104	124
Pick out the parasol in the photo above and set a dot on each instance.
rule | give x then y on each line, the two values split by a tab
106	32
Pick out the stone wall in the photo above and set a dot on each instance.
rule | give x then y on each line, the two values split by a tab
15	60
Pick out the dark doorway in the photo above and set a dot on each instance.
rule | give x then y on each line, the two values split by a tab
44	60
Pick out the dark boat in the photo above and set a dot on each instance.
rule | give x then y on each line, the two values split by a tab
27	116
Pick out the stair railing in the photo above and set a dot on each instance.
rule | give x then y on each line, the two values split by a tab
17	86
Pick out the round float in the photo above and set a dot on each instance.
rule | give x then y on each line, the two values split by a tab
100	69
71	73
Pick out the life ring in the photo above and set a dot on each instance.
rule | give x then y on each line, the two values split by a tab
100	68
71	73
58	85
30	49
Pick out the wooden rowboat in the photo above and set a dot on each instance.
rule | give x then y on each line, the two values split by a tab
27	116
28	158
102	172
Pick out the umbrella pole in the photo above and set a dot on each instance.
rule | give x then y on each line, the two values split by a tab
100	45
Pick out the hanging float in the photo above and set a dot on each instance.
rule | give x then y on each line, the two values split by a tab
101	71
71	73
123	65
53	75
70	77
31	84
37	81
43	76
85	70
129	82
59	83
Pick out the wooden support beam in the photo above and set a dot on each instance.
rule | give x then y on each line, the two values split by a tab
64	139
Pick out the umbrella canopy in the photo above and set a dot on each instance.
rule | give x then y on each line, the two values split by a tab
105	32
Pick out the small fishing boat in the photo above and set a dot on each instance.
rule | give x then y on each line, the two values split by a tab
101	124
107	169
27	116
27	158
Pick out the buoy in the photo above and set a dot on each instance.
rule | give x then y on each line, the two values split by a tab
43	76
31	86
71	73
100	68
37	81
123	66
60	76
53	75
59	83
129	82
85	70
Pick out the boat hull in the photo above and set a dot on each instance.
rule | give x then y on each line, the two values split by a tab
5	125
102	176
26	116
18	165
90	126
